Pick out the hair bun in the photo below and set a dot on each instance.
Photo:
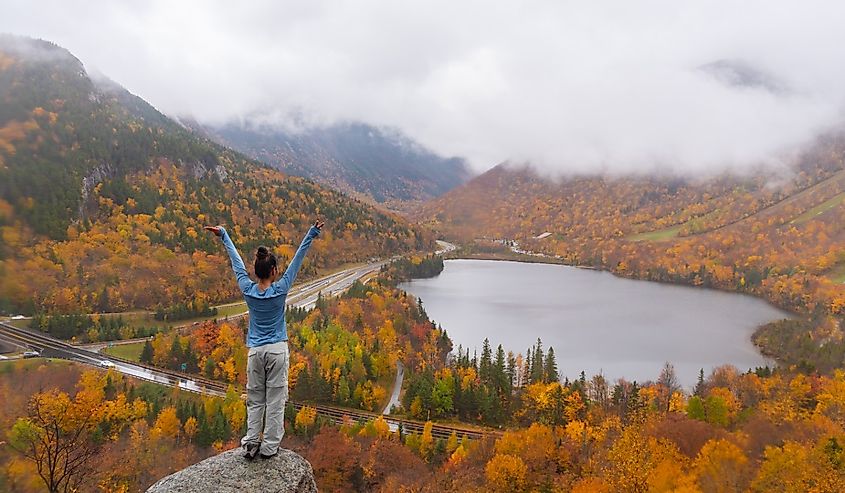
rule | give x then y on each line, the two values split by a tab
262	253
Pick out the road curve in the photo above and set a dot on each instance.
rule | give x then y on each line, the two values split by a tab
397	389
304	296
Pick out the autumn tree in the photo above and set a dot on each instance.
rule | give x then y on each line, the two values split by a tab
667	384
721	466
63	436
506	473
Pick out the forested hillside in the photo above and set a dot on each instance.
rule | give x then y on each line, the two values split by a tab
774	233
382	165
102	198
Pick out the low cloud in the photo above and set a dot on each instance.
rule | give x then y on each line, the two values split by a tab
568	86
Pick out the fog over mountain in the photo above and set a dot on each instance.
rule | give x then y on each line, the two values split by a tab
568	86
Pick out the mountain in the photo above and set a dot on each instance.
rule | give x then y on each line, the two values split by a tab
103	198
780	235
383	165
739	73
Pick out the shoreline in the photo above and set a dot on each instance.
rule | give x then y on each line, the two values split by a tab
570	314
537	259
529	258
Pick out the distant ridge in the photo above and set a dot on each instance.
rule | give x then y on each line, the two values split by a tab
381	164
103	197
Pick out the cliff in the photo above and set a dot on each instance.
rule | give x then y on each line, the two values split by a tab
229	472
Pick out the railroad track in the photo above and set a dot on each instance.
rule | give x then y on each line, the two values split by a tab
340	415
50	347
301	296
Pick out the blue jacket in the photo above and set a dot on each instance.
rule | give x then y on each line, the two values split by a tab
267	308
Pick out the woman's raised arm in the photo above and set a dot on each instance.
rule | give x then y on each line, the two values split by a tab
289	276
244	282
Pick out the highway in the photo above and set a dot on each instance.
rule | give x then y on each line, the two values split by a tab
303	296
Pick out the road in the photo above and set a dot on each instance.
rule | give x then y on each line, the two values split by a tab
301	296
305	295
54	348
397	389
445	247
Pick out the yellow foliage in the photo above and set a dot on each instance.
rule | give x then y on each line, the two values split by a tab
457	456
795	468
190	427
167	423
382	427
720	466
305	418
506	473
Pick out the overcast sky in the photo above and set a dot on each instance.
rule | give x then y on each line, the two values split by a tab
567	85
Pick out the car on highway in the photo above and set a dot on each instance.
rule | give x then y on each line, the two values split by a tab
106	364
31	354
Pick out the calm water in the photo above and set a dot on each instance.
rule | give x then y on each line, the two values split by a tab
595	321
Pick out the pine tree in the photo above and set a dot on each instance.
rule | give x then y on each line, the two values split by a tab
511	369
210	366
537	363
176	354
484	367
499	375
147	353
421	314
699	386
550	373
191	364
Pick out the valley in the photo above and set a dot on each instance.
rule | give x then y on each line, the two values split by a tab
414	364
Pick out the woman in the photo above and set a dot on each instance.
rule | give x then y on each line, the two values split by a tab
267	367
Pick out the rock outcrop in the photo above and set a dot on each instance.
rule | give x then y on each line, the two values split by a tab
229	472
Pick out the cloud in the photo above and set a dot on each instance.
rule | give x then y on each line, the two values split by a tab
569	86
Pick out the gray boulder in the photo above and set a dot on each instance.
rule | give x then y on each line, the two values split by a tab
287	472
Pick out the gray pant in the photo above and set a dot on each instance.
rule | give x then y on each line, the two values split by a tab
266	394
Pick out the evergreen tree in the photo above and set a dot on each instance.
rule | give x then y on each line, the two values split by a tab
550	373
147	353
537	363
176	354
204	434
484	367
699	386
511	369
634	402
321	302
421	315
500	377
210	366
190	360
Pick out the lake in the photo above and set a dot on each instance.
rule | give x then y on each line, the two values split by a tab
596	322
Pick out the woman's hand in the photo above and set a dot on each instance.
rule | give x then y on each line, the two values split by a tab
217	230
319	224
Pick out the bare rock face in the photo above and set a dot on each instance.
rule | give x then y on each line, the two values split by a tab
229	472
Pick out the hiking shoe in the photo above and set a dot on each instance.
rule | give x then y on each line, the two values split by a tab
270	456
251	450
